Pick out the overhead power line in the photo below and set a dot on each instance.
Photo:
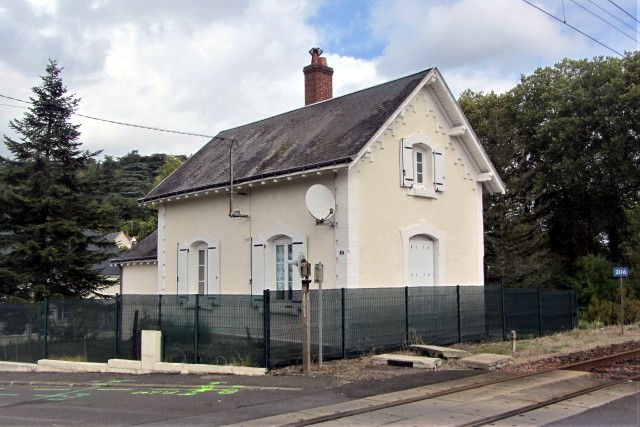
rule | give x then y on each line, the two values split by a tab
115	122
602	19
632	17
574	28
613	16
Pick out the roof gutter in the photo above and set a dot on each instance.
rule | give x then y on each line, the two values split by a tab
332	164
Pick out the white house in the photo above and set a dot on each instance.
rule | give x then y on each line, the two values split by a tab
405	169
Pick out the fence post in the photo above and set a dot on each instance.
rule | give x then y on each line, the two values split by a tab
406	315
46	327
117	320
196	328
539	314
459	320
504	315
160	311
266	325
342	308
574	308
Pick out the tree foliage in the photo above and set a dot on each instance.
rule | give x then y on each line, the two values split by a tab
565	141
50	222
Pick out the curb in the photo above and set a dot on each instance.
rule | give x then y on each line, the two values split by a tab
133	367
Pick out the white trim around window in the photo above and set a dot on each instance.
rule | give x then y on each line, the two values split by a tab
421	166
198	266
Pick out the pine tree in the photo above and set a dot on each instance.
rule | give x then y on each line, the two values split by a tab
51	222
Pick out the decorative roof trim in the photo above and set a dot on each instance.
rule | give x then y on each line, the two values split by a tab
463	131
393	117
132	261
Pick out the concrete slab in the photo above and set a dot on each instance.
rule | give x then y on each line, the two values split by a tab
485	361
437	351
47	365
223	369
168	368
17	367
339	407
408	361
540	379
417	409
370	419
491	406
542	416
440	418
277	420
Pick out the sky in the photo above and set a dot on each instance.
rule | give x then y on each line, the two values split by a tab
203	66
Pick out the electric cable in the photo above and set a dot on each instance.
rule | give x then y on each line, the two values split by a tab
117	122
613	16
632	17
602	19
574	28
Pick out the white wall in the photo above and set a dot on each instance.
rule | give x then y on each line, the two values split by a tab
140	278
268	206
386	208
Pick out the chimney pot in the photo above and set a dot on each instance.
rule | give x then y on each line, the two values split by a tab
318	78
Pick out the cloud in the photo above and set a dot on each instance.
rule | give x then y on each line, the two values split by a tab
193	66
466	39
202	66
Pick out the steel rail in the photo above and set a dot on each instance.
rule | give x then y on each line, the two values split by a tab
547	402
572	366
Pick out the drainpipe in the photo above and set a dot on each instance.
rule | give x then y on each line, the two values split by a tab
232	213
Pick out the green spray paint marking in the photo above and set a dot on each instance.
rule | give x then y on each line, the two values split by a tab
217	387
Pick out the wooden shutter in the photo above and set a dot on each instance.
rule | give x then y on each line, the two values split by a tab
438	170
257	267
213	269
299	246
183	268
406	163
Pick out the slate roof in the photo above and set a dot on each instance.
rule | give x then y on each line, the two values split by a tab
327	133
144	250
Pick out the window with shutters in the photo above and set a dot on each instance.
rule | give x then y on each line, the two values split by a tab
284	268
271	255
198	268
422	167
202	271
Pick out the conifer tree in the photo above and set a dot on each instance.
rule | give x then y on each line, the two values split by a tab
51	222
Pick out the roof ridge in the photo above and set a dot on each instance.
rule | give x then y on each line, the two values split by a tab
409	76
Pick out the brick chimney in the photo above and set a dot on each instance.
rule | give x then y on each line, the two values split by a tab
318	78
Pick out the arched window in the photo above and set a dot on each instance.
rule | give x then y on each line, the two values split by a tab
271	256
422	166
198	267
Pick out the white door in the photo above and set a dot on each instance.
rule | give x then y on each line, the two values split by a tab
421	261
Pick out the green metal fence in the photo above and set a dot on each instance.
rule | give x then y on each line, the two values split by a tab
265	331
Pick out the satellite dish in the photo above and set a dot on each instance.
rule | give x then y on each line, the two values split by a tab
320	202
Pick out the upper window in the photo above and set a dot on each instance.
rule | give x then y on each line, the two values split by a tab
422	168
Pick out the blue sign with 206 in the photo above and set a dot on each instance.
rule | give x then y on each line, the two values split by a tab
620	271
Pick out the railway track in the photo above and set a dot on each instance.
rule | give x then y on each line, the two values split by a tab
578	389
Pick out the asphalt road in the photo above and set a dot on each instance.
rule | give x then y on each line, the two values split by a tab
169	400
